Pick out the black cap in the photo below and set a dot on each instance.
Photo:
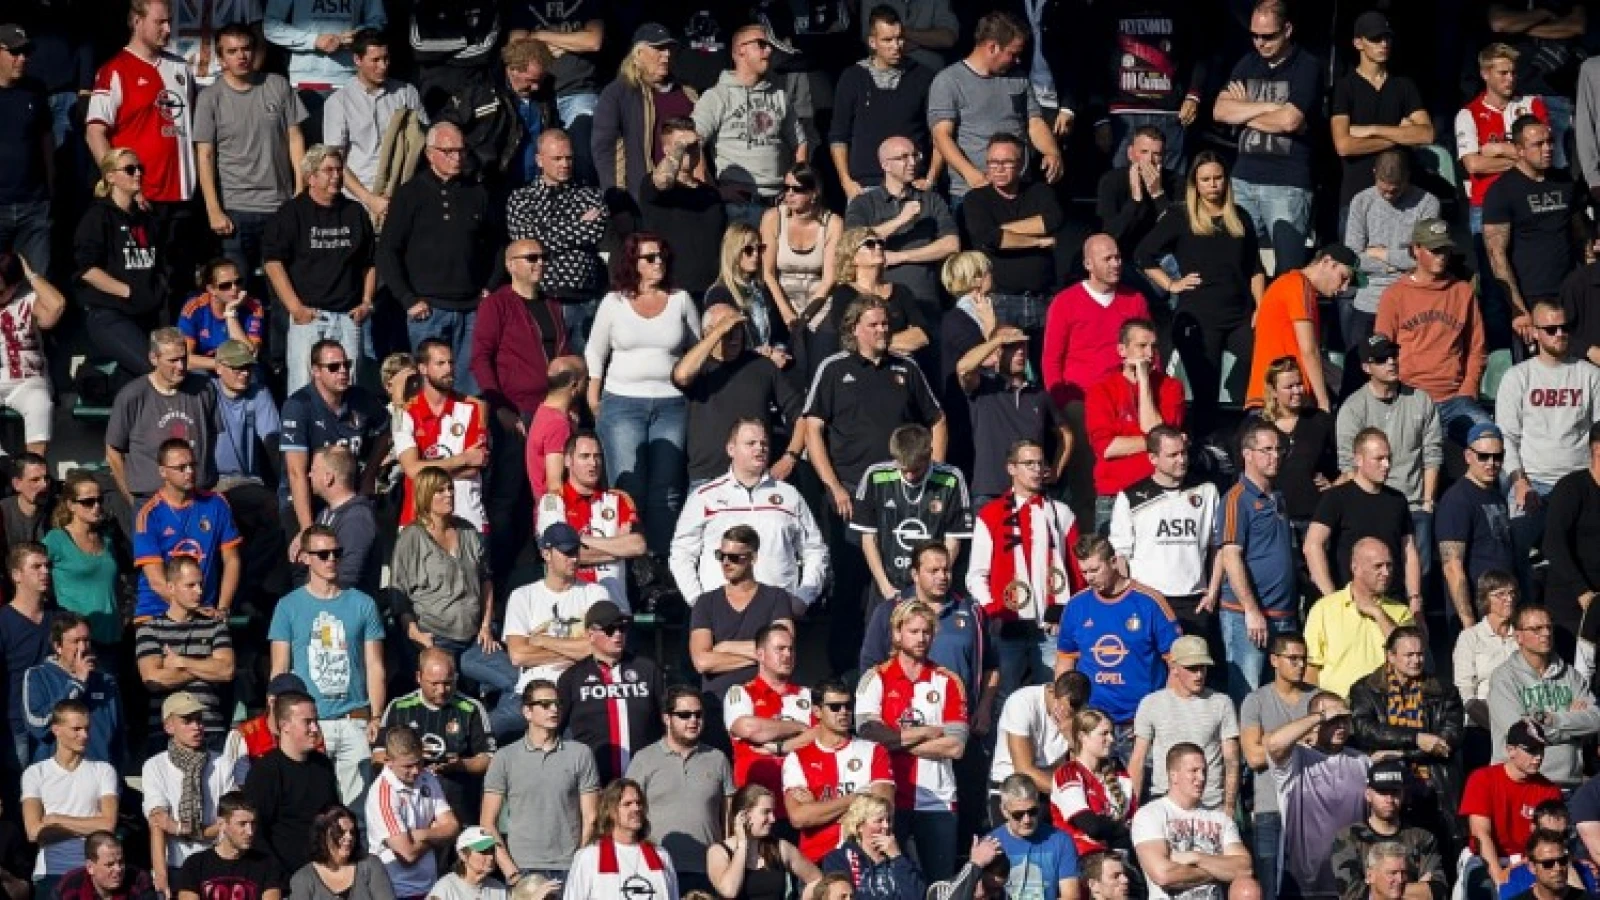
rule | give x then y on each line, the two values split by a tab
15	39
1387	775
1528	736
286	683
654	34
1372	25
605	614
1379	346
1340	254
562	537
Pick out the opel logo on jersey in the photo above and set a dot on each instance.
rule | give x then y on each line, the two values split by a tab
170	105
1109	651
638	887
911	532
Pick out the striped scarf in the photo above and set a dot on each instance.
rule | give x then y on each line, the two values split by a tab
1403	708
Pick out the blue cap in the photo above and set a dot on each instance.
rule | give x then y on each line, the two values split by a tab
561	536
1484	430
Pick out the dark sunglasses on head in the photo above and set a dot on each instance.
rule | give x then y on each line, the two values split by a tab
735	558
1017	815
533	257
1553	330
88	501
753	249
687	714
343	365
652	257
325	555
132	169
226	285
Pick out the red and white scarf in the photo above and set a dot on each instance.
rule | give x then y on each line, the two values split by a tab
1032	567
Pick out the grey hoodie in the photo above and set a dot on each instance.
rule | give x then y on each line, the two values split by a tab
752	132
1516	691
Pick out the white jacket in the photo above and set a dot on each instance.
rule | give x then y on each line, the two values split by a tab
793	555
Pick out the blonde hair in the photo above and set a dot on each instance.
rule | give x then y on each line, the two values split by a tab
912	609
630	71
858	307
1271	411
861	810
1496	52
844	257
524	50
1199	223
109	163
963	271
429	481
734	240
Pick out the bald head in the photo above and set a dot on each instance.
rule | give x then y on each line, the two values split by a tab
566	367
1103	261
1371	566
555	156
435	661
898	158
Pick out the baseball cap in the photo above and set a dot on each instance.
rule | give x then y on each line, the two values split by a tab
286	683
1433	234
1341	254
182	704
654	34
1526	735
1379	346
475	838
1387	775
236	354
560	536
14	39
1484	430
1191	650
604	614
1372	25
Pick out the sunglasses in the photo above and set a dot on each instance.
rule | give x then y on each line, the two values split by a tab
533	257
610	630
183	467
1017	815
872	244
652	257
841	706
226	285
1553	330
88	501
1258	37
326	555
753	249
133	169
1384	359
343	365
735	558
685	715
545	704
1554	862
1490	457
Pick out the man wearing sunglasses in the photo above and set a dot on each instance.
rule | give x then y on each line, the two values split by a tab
686	784
611	699
1044	861
1473	522
822	776
1550	858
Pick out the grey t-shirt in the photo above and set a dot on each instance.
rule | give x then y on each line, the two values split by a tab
1265	709
1206	719
1320	795
454	887
250	130
371	883
142	417
980	107
686	796
541	790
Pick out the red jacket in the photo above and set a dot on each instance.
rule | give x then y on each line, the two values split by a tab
1110	411
508	358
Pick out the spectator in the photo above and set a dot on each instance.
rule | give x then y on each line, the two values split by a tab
104	873
167	404
548	784
234	860
1572	521
28	305
1205	841
120	261
1014	220
1474	524
728	622
741	285
357	116
1549	42
1272	94
441	571
1551	874
321	45
1121	409
568	218
330	635
1287	322
978	97
1382	220
1308	462
1347	630
30	142
1006	404
1163	529
435	251
1499	801
869	855
629	691
1135	192
410	821
67	786
457	744
338	858
916	226
751	128
249	146
894	513
1036	849
798	280
1364	507
250	431
822	777
350	515
1083	328
1020	582
968	277
1318	780
1538	684
223	311
254	738
1093	798
1480	650
1416	847
1399	710
619	835
731	381
71	672
182	785
633	116
473	875
1035	723
605	517
1260	594
179	520
330	411
290	785
754	858
523	333
860	265
1222	278
1264	710
1186	711
183	651
1155	84
447	429
1483	128
501	117
26	514
763	713
689	782
88	553
677	199
1373	109
552	426
319	249
576	35
881	98
1105	876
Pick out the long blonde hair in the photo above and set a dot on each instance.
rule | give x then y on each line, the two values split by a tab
1271	410
734	240
1199	222
109	163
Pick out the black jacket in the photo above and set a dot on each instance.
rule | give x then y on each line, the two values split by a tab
124	245
1442	714
438	242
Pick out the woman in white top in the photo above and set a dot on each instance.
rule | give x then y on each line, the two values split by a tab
1481	649
799	235
640	332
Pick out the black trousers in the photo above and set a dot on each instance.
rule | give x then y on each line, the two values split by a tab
1200	336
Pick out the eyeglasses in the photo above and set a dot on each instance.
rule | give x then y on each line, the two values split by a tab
1259	38
841	706
1030	463
686	715
1004	163
759	43
533	257
130	170
181	467
652	257
1017	815
610	630
753	249
872	244
913	156
1554	862
88	501
737	559
1553	330
449	151
343	365
226	285
547	703
1538	629
326	555
1490	457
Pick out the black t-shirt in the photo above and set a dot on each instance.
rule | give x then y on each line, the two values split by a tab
539	308
214	878
1279	159
861	403
1354	96
1540	215
1478	517
693	219
1016	271
712	611
1308	452
327	250
748	387
25	119
824	342
287	795
1001	416
1352	514
613	710
1546	65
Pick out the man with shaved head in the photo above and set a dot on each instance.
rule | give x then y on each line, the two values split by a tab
1346	631
568	218
553	423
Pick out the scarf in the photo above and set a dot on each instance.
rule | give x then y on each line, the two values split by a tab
1027	574
1403	709
191	800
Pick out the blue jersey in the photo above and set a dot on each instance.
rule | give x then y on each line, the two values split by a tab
203	528
1119	644
204	331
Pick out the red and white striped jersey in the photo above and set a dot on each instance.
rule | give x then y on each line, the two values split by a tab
455	429
790	703
24	355
1076	789
393	808
605	513
148	108
1478	124
847	769
934	697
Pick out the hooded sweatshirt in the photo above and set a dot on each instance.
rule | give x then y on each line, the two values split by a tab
1517	691
751	132
123	245
1440	334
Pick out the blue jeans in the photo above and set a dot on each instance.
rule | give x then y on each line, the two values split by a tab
934	834
454	327
1561	111
644	440
326	326
1123	126
1266	833
1422	533
1104	504
579	315
577	117
1245	660
1457	416
25	229
496	673
1527	528
1282	217
243	247
1024	661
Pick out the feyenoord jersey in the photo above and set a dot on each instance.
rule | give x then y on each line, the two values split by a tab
147	108
847	769
1165	534
456	428
1478	124
613	710
24	357
791	703
605	513
934	697
904	515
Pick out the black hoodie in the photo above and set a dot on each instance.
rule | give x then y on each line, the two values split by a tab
123	245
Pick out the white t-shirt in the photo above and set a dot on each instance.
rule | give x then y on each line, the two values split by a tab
163	789
534	609
64	793
1026	715
1201	830
393	808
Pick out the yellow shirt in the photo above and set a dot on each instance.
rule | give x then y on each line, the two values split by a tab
1345	645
